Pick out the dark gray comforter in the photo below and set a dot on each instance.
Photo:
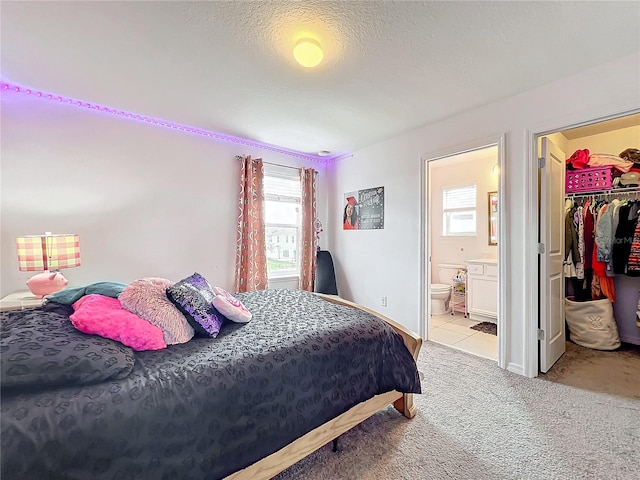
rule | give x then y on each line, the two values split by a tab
207	408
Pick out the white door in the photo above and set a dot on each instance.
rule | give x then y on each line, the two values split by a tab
552	180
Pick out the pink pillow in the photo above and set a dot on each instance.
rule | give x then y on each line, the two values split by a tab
230	307
148	299
105	316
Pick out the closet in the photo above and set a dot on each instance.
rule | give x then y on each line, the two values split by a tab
603	263
608	138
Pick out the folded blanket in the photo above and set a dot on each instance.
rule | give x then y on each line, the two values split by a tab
606	159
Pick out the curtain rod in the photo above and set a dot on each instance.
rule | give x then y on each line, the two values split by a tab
239	157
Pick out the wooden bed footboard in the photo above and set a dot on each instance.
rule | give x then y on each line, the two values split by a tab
275	463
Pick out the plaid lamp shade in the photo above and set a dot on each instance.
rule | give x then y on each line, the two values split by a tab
48	252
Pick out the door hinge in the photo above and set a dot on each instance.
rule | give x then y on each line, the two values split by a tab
540	334
540	248
542	162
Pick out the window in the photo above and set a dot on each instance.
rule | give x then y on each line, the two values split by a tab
459	211
283	216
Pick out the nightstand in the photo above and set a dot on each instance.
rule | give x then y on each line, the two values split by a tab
20	301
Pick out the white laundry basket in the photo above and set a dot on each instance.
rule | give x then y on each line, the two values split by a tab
592	324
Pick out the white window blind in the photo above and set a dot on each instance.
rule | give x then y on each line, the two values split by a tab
280	189
459	211
283	194
459	198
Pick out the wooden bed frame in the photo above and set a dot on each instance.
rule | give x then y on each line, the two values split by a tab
270	466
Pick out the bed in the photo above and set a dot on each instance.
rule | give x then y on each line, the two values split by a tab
247	404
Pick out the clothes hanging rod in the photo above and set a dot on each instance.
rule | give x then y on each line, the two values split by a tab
616	191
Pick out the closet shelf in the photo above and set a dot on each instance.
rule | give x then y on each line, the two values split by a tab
609	192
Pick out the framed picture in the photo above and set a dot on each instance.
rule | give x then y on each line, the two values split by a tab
493	218
363	209
351	217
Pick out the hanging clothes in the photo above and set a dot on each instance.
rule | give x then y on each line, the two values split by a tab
589	235
571	253
602	251
627	220
604	238
579	223
615	218
633	264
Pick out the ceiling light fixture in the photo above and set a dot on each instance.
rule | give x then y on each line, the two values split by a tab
308	52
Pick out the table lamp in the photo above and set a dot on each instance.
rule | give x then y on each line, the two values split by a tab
48	252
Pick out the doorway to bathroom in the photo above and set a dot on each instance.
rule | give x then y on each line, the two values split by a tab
461	241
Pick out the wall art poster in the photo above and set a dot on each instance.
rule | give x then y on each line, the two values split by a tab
364	209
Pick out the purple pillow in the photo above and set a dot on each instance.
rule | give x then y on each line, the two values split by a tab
194	298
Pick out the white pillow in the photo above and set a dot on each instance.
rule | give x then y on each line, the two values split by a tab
230	307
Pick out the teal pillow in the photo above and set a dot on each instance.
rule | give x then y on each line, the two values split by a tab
69	296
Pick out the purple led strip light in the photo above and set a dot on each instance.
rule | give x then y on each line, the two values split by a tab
7	87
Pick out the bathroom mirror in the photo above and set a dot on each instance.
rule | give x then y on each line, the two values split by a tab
493	218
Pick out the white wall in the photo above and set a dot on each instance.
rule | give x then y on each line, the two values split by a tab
610	142
146	201
372	264
472	168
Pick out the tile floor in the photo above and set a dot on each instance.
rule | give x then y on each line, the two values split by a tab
455	332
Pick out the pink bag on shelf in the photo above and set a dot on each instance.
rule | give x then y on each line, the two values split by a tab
579	159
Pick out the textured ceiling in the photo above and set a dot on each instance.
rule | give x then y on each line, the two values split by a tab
227	66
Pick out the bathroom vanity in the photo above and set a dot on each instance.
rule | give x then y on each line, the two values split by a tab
482	289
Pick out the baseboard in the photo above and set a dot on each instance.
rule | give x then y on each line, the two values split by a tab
515	368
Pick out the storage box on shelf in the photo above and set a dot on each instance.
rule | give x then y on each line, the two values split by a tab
589	179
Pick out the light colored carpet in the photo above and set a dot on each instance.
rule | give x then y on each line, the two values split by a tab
615	373
477	421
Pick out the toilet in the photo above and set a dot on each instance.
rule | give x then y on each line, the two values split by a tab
441	292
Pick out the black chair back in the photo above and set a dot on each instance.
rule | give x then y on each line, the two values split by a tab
325	274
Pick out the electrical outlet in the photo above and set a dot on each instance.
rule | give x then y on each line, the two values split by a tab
384	301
